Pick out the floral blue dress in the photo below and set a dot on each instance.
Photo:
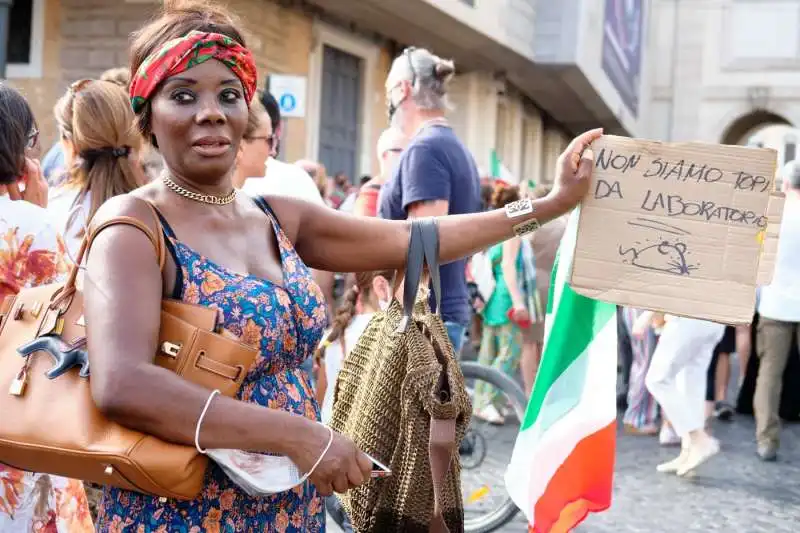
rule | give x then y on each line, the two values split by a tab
286	323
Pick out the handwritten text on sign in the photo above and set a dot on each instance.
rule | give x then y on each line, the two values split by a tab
674	226
682	171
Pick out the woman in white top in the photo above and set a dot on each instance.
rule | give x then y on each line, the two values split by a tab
31	254
101	148
677	380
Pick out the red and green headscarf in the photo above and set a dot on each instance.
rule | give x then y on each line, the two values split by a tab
183	53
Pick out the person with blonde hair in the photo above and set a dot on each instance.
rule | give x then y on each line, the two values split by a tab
53	165
436	174
101	149
119	75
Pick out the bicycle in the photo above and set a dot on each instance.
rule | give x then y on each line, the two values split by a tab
474	452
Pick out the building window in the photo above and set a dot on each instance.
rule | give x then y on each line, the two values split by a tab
20	27
25	39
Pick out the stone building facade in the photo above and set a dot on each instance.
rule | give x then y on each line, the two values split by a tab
531	72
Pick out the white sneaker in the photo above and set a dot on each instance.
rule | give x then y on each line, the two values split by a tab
671	467
668	437
699	454
490	414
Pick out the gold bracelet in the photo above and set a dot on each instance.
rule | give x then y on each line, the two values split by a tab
523	228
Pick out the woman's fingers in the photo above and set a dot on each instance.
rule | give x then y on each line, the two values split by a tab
340	483
13	191
574	151
324	488
586	164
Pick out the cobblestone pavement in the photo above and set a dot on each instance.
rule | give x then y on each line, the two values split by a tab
734	492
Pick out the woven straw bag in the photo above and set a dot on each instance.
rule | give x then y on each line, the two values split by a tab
400	396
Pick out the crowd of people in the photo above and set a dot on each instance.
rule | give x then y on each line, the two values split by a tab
677	371
183	137
184	142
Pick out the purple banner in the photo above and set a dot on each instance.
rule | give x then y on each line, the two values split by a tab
622	49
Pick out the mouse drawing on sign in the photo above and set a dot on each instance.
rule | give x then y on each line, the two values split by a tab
662	254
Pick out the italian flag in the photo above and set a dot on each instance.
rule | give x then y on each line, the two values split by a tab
563	461
499	171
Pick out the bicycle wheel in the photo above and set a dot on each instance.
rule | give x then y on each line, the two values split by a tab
335	512
474	451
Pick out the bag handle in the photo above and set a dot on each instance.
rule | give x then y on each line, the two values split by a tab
411	276
423	248
157	239
429	231
442	437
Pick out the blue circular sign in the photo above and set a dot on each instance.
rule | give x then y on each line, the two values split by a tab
287	102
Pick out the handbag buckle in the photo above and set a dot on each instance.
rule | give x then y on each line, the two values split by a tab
170	349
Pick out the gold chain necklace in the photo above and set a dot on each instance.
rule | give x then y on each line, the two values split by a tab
196	196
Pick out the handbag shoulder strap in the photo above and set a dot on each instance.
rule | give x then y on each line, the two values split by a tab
156	238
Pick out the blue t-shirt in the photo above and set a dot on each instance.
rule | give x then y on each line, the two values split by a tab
437	166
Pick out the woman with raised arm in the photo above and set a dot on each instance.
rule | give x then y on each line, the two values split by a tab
192	81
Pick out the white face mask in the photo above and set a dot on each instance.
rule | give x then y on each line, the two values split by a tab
257	474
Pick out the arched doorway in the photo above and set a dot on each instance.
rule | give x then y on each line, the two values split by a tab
768	130
743	128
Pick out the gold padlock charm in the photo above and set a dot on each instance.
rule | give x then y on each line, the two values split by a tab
59	329
17	387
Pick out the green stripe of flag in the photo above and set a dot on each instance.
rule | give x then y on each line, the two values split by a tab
576	321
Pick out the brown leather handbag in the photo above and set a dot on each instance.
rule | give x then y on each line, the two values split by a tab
49	422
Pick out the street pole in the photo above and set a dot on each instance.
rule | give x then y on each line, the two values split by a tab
5	14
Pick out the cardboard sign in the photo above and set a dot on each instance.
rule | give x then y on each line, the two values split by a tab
678	227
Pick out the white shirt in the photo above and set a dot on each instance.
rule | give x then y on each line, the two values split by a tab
349	203
60	203
31	250
283	179
781	299
334	359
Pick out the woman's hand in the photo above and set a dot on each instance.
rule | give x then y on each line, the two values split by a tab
573	170
35	185
521	315
342	468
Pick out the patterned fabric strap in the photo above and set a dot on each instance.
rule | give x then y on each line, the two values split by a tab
179	55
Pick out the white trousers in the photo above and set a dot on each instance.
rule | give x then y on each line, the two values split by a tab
677	374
